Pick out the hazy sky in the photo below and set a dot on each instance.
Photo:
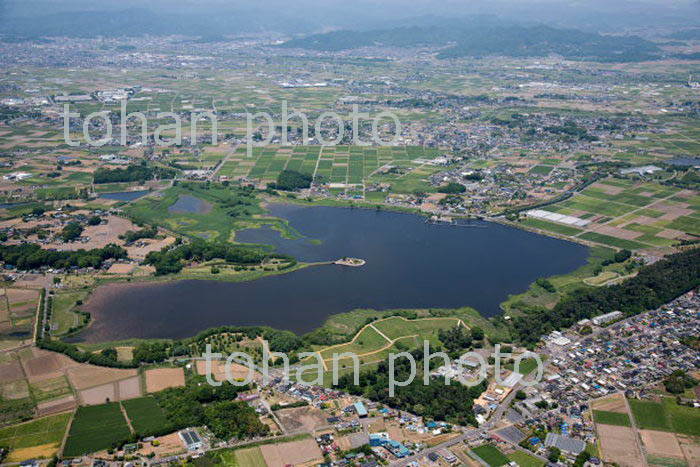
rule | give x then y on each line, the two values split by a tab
359	14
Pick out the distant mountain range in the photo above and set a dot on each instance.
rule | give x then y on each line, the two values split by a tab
476	38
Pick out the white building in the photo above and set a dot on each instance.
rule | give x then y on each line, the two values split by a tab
606	318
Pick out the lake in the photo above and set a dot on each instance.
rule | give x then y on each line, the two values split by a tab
410	264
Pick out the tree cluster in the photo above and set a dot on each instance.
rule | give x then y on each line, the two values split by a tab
133	236
678	381
170	261
452	403
456	339
31	256
453	188
291	180
71	231
133	173
200	404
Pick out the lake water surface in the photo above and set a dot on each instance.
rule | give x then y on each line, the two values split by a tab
410	264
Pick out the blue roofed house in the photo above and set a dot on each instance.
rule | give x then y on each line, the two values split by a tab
360	409
397	449
378	439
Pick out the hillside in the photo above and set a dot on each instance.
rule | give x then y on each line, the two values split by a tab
472	39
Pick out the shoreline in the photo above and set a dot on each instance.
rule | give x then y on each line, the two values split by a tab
245	277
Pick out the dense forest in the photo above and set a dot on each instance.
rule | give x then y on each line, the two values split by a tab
133	173
477	39
451	403
31	256
655	285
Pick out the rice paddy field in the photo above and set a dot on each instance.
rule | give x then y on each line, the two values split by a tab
627	213
347	167
39	438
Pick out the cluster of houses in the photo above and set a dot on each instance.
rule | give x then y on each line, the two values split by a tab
630	356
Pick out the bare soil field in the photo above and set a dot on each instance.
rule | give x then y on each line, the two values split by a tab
47	365
170	445
615	403
129	388
163	378
124	389
218	370
98	394
308	418
16	390
691	449
618	445
57	405
121	268
11	372
661	444
87	376
294	453
100	235
148	245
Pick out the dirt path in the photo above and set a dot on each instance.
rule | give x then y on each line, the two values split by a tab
126	417
380	332
636	433
65	435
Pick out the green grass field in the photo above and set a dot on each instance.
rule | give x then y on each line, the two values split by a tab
229	208
398	327
145	415
251	457
523	460
666	416
95	428
491	455
611	418
62	314
650	415
410	332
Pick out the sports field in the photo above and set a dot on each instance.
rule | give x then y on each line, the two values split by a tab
95	428
491	455
145	415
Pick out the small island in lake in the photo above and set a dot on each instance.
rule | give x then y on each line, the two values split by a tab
355	262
